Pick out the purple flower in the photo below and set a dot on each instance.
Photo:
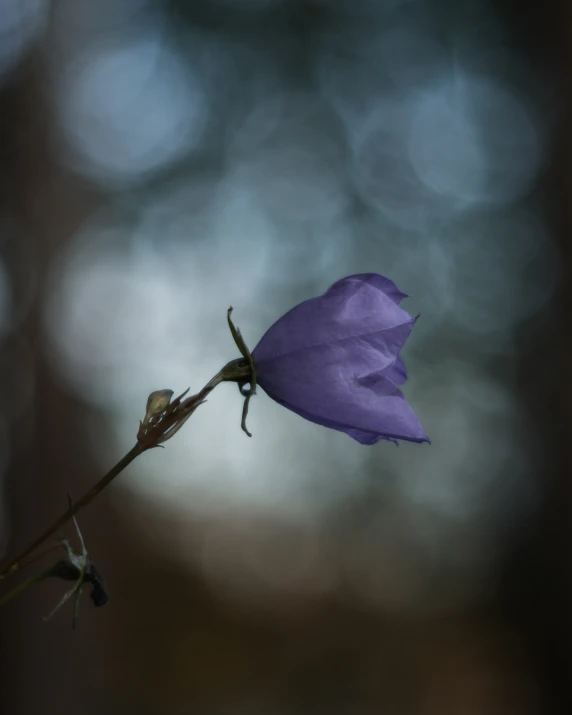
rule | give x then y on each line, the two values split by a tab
335	360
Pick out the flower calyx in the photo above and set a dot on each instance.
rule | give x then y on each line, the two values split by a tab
247	371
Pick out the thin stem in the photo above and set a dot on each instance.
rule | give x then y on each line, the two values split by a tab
38	554
20	560
21	587
150	435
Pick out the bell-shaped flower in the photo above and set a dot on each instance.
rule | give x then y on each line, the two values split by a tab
335	360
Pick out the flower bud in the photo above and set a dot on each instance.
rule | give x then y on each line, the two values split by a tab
157	402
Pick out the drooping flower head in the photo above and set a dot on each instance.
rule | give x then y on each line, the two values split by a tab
335	361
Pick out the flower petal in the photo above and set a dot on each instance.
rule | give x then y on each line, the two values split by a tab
353	309
397	372
368	408
335	360
354	356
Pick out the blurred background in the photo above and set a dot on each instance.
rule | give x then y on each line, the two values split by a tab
161	160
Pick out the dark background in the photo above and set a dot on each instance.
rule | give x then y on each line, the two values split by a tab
160	161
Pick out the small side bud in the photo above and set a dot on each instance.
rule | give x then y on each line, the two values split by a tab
157	402
77	567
